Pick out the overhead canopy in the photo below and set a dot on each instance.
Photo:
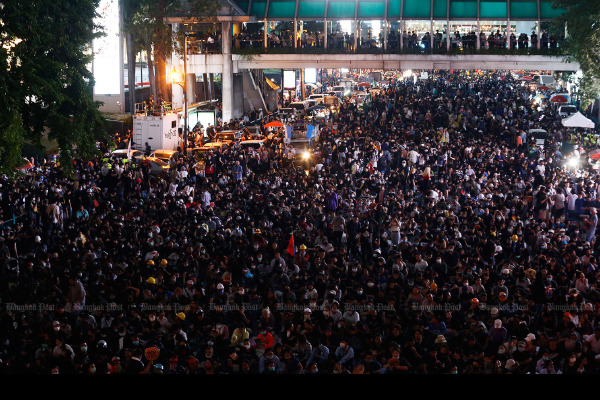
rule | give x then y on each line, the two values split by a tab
578	120
279	10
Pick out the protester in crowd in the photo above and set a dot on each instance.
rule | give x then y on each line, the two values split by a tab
440	256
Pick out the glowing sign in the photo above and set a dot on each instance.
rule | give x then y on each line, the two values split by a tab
107	64
310	75
289	79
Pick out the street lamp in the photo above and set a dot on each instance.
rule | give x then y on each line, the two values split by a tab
174	76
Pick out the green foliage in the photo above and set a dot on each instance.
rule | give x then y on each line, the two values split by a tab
146	21
44	78
11	142
582	44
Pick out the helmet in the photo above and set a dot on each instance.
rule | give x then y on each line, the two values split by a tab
502	295
150	262
101	344
433	286
475	300
302	247
181	316
151	280
164	262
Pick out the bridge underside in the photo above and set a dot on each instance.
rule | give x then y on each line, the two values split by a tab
213	63
405	62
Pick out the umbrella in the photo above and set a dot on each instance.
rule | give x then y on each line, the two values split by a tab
559	99
274	124
540	96
364	84
525	78
543	87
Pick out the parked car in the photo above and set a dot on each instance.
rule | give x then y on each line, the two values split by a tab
540	136
158	167
251	145
566	111
122	153
165	155
229	136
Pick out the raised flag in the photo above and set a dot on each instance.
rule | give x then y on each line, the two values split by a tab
290	248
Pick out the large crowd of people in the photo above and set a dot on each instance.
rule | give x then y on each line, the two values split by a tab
430	235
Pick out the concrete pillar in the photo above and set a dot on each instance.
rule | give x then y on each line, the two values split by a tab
227	76
325	33
508	33
265	38
385	34
401	34
295	33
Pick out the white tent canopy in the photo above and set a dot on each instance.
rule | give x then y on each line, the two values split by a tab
578	120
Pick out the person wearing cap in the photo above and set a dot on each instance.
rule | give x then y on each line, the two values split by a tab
524	358
510	367
497	335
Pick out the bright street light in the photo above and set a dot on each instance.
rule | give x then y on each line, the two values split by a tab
175	79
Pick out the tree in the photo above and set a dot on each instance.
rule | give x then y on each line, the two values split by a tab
129	9
45	83
149	30
582	44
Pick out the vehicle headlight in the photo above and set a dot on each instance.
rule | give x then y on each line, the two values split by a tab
305	155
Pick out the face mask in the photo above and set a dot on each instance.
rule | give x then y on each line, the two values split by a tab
246	346
370	284
359	292
135	343
83	348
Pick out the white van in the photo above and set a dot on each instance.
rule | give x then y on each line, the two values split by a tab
299	107
566	111
547	80
318	97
